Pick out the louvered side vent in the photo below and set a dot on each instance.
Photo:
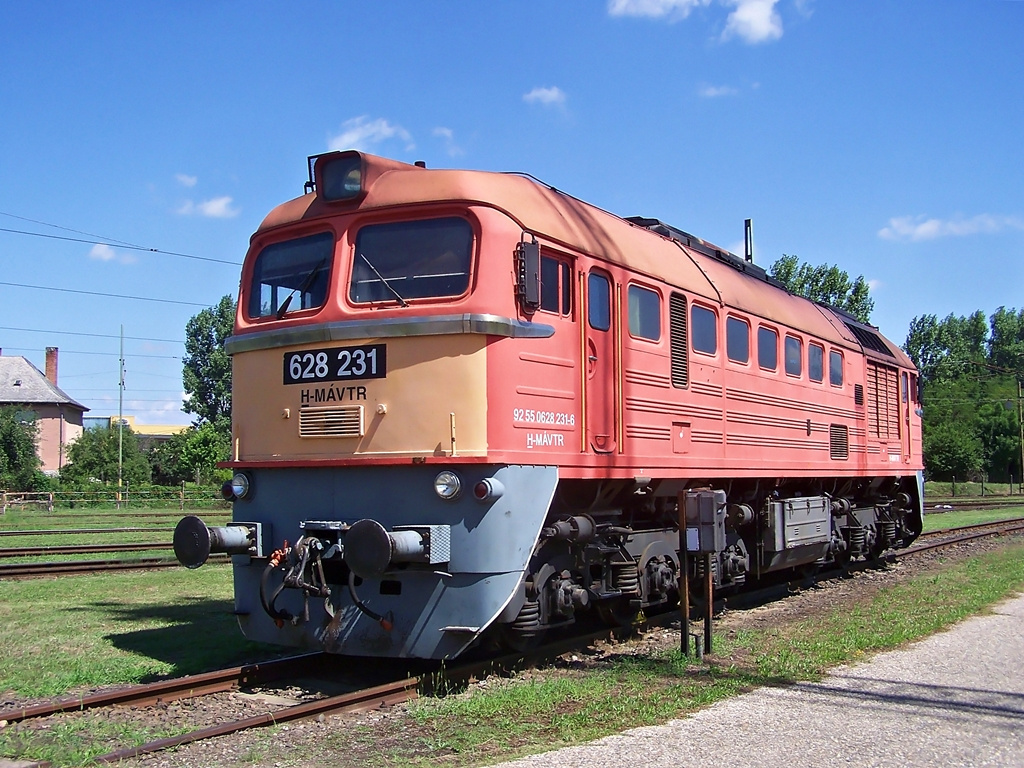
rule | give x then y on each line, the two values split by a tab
839	441
677	323
331	421
858	394
883	395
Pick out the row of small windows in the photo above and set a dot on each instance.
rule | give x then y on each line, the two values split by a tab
704	331
644	320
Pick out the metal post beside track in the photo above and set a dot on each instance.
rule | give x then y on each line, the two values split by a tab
709	600
684	581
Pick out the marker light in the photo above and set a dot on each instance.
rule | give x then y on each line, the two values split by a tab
447	485
488	489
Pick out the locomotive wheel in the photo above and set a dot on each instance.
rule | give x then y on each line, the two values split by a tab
617	612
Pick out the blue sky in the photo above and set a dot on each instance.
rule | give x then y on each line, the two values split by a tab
885	136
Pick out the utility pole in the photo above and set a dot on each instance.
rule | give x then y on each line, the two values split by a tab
120	421
1020	427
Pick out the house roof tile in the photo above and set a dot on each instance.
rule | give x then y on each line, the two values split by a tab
21	382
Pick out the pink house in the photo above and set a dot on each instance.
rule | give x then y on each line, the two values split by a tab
59	417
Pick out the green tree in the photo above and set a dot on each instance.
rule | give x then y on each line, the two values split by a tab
94	456
19	461
970	366
950	348
191	456
207	367
952	450
826	283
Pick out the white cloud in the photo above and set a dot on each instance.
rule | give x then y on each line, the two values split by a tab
448	135
103	252
218	208
753	21
185	180
215	208
655	9
364	134
716	91
874	285
918	228
553	95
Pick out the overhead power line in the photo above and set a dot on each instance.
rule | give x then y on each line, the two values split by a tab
103	354
100	240
104	295
93	335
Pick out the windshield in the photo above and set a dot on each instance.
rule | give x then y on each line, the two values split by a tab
298	268
411	260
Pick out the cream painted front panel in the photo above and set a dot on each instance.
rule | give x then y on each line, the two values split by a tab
408	412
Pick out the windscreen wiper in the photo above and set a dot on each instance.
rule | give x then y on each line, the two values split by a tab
301	289
388	285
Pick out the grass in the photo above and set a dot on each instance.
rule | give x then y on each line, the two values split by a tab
522	717
64	634
935	521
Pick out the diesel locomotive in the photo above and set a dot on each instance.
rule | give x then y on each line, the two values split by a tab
468	406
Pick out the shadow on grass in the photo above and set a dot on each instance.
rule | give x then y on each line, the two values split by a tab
199	635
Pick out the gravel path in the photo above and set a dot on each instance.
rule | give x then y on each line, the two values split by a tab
954	699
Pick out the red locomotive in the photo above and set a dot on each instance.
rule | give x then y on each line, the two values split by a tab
465	405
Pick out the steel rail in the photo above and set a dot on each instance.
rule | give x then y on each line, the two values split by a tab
83	549
972	526
190	686
70	567
1016	527
379	696
78	531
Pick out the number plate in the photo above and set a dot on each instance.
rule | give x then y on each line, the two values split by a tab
336	364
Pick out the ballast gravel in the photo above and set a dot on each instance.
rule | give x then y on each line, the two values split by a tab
953	699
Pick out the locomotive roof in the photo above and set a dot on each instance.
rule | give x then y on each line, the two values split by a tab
556	216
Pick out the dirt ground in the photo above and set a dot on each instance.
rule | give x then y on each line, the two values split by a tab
305	744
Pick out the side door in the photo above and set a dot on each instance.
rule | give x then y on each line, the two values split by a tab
599	360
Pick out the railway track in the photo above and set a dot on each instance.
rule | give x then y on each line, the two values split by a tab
69	567
389	693
83	549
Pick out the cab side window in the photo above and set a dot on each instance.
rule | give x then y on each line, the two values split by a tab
555	285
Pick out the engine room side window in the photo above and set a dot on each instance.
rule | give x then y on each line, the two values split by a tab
835	368
599	302
816	362
298	268
555	285
767	348
644	313
794	356
703	330
737	340
411	260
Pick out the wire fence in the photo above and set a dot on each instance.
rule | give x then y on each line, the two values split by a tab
149	497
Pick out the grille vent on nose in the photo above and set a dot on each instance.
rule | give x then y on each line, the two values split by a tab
331	421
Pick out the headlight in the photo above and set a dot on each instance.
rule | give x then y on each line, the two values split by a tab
238	487
447	485
341	176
